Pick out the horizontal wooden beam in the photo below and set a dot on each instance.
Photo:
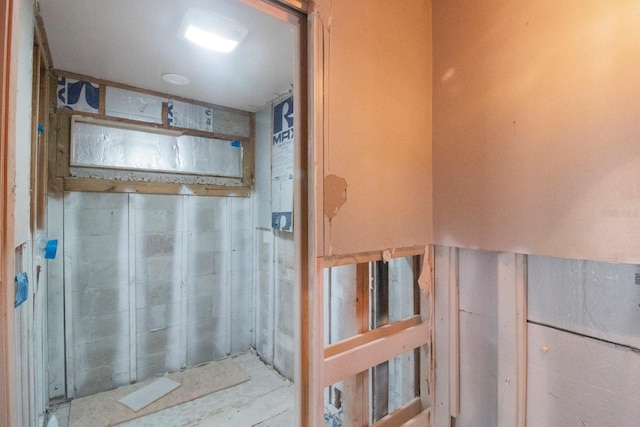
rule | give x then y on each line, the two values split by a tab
115	186
373	352
149	127
420	420
401	415
338	260
368	336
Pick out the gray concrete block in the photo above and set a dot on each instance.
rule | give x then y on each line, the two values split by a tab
157	341
241	341
207	241
96	222
107	247
152	365
153	293
158	269
80	200
98	327
242	260
102	378
201	264
206	351
109	351
210	285
151	221
157	317
92	301
99	274
241	320
155	245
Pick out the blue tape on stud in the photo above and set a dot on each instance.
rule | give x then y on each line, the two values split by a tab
40	128
235	143
22	288
51	249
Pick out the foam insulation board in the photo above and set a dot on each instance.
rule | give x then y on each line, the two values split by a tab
190	116
132	105
534	127
593	298
262	193
578	381
78	95
379	125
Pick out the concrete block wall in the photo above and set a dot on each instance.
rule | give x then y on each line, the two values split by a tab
241	270
275	264
156	230
265	294
155	282
208	245
96	291
274	299
284	348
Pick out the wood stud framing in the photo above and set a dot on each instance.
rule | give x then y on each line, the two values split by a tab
61	180
446	339
350	359
512	339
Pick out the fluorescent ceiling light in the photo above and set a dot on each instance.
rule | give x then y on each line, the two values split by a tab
211	31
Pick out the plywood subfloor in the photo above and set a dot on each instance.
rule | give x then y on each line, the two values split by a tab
265	400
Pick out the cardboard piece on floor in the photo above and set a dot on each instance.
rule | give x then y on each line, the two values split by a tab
149	394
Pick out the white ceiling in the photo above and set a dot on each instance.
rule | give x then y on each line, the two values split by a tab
135	41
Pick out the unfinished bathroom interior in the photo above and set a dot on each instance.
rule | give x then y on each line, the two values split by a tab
171	253
465	219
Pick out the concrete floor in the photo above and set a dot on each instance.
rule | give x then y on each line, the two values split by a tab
266	400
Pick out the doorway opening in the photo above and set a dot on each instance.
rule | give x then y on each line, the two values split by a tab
162	267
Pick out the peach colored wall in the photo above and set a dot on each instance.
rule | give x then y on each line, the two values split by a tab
537	127
378	112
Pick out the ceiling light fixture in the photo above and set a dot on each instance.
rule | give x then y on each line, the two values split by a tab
175	79
211	31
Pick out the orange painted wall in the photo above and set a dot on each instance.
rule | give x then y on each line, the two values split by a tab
378	110
537	127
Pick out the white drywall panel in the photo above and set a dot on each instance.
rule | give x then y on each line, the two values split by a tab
377	148
579	381
535	142
478	281
593	298
97	281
